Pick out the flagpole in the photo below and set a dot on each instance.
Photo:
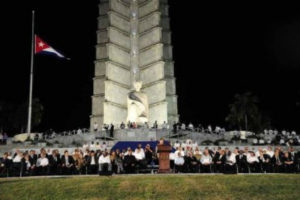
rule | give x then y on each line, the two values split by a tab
31	75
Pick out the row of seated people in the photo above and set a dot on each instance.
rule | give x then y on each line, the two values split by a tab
128	161
79	162
236	161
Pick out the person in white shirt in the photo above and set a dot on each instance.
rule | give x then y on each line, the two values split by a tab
16	167
230	163
92	145
209	129
191	126
18	157
98	146
183	126
179	162
96	127
179	150
206	161
104	163
253	162
42	164
139	153
85	146
79	131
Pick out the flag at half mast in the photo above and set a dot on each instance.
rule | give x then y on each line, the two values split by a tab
42	47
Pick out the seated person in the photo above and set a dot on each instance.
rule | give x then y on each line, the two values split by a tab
192	164
119	161
67	163
265	159
105	164
91	162
179	162
129	162
219	161
17	163
5	165
230	163
253	162
277	161
54	162
42	165
79	161
288	163
140	157
206	161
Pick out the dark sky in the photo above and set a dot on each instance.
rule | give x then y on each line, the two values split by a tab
219	50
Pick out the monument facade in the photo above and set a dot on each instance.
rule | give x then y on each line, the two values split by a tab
134	51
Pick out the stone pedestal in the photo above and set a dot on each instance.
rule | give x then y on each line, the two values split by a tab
164	159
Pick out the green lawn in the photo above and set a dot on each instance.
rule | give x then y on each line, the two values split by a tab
206	187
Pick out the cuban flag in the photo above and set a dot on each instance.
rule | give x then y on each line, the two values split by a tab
42	47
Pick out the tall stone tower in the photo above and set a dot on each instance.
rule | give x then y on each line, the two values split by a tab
133	39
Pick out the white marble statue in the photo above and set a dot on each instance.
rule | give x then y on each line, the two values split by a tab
138	107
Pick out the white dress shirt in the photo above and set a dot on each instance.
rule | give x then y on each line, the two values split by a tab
103	160
139	155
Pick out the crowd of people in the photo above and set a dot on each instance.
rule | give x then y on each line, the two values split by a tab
80	161
189	158
186	158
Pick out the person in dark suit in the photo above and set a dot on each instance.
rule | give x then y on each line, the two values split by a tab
241	161
55	163
266	162
288	163
277	162
129	162
33	157
192	165
149	154
67	163
111	130
5	165
219	161
92	163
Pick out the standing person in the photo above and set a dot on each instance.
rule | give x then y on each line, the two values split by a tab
111	130
155	125
96	127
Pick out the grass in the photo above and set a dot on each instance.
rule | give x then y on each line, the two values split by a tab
185	187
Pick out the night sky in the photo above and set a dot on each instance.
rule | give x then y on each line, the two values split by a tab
219	50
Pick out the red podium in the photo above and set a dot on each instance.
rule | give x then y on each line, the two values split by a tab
164	160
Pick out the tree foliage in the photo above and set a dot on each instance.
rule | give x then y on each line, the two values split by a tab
244	113
13	117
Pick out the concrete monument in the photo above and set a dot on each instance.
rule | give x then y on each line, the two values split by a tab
133	45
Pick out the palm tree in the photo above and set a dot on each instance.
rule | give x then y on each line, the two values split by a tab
242	110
